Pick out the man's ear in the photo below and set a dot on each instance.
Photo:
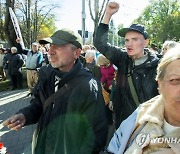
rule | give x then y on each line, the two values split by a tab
77	53
146	42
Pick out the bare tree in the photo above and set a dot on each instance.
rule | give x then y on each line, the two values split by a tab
2	12
97	11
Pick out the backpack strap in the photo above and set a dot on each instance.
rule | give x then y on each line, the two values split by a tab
132	89
65	88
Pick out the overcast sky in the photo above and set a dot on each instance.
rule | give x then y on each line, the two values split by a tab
70	13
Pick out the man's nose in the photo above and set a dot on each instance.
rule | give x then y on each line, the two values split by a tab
129	43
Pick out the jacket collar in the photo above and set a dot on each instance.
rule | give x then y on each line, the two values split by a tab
152	111
65	77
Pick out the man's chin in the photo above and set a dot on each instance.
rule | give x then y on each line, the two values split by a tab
54	65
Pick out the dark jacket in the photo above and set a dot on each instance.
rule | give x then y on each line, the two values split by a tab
75	123
94	69
143	75
14	63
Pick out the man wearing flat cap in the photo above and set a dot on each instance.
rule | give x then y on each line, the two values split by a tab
33	62
67	104
135	81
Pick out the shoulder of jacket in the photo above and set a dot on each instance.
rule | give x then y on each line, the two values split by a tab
86	78
46	71
144	106
39	52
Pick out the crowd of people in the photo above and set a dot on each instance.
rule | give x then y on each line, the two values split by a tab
14	59
79	90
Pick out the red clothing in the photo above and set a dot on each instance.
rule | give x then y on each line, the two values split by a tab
107	75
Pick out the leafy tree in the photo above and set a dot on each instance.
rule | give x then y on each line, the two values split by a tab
162	20
32	16
47	27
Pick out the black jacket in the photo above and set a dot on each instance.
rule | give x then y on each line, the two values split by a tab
94	69
75	123
14	63
143	75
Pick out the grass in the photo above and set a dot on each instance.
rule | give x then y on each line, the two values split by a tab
6	85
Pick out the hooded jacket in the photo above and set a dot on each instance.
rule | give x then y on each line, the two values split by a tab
75	123
143	75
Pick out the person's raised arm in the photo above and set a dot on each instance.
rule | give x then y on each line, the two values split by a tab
111	9
101	36
20	49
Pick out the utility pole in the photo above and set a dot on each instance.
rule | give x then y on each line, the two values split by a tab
83	21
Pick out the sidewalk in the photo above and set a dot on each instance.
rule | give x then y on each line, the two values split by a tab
16	142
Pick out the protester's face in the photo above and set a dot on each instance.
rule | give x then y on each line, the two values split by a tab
85	48
169	87
63	57
35	48
89	59
43	50
164	50
13	51
135	44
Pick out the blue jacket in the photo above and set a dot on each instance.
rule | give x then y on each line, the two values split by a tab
120	139
33	60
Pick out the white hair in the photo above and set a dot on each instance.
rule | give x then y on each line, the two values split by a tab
14	49
90	54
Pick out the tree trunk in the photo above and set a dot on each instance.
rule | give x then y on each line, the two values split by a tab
8	26
28	23
98	13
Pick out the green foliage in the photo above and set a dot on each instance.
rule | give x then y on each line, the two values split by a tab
162	20
34	17
46	26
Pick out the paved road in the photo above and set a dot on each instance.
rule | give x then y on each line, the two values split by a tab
16	142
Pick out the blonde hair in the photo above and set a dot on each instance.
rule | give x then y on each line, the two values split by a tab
102	60
172	55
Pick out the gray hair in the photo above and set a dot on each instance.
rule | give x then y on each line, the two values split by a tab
167	45
172	55
14	49
90	54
